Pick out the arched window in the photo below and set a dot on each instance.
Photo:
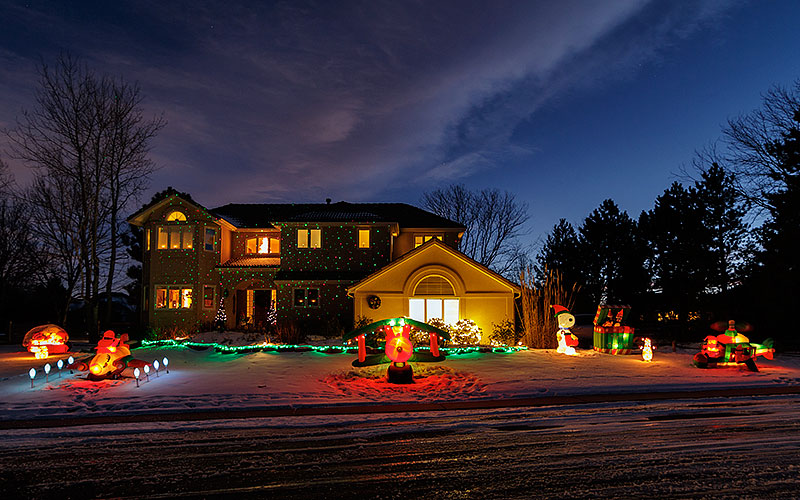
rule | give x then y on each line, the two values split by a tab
429	301
176	216
434	285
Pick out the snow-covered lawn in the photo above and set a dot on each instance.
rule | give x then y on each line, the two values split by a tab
200	380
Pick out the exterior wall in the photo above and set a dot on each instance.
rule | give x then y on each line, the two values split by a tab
482	298
339	250
194	267
333	300
404	242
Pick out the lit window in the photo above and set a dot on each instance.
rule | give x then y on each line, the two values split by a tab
300	297
306	297
309	238
209	239
423	238
428	309
176	215
178	297
363	238
262	244
147	239
208	297
175	237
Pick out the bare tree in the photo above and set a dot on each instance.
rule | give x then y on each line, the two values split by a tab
493	220
87	139
748	147
17	248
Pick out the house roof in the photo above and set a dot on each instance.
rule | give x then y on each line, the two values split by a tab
252	262
431	243
264	214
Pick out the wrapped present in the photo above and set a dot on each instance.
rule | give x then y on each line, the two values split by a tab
611	333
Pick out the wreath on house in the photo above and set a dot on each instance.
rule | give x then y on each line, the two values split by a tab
373	301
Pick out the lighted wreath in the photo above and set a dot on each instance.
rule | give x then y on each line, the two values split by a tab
373	301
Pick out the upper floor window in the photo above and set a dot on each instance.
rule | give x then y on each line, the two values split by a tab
309	238
419	239
176	216
209	239
262	244
175	237
147	239
434	285
363	238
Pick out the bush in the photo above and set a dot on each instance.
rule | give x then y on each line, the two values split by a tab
289	333
504	334
465	332
168	333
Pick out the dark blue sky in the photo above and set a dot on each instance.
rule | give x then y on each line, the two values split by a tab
563	103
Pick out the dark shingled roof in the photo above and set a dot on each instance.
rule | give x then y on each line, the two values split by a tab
265	214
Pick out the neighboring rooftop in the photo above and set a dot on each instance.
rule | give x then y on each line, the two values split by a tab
265	214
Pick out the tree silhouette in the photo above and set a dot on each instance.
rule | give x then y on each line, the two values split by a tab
612	261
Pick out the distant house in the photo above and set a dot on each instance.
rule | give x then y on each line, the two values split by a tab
314	263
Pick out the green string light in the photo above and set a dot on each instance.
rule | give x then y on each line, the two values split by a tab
269	347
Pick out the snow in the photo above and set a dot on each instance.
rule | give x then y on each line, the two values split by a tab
210	380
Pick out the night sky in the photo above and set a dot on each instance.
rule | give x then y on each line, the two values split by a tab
563	103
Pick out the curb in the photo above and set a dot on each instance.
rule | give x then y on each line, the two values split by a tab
395	408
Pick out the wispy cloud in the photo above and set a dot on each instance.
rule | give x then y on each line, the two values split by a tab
303	100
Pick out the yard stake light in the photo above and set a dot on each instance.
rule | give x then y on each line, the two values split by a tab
156	365
166	364
70	360
136	375
147	372
60	365
32	374
47	373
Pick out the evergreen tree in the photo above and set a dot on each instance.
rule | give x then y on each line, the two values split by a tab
611	257
722	212
561	252
680	249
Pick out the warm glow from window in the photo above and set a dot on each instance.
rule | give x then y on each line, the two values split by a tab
174	297
175	237
363	238
147	239
262	245
423	238
176	215
427	309
309	238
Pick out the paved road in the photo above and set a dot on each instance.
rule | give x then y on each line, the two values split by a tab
719	448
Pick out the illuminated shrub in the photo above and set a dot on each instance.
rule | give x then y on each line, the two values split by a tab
465	332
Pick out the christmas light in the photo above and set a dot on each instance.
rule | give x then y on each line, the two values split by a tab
32	374
47	372
136	376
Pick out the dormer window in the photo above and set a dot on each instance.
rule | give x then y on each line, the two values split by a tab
176	216
262	244
420	239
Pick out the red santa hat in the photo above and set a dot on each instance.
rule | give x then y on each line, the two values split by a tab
559	309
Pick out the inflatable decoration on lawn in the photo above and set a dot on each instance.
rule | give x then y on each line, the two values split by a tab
45	340
731	347
566	340
647	347
611	334
398	348
113	359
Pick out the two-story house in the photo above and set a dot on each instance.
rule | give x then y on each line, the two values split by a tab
312	263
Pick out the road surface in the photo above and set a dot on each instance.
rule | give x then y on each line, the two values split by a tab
720	448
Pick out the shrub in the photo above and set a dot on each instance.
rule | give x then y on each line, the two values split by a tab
289	333
504	334
465	332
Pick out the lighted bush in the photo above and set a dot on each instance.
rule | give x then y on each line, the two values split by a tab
465	332
504	334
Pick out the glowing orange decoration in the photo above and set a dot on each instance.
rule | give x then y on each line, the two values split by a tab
113	359
45	340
